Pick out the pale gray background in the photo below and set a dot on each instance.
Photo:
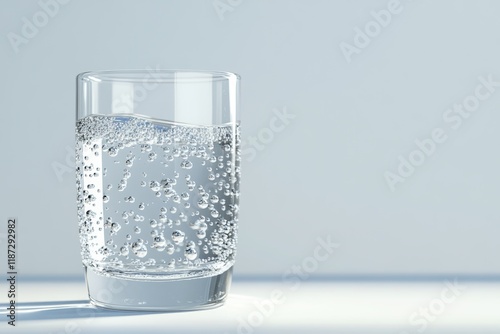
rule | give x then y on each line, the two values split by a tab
324	173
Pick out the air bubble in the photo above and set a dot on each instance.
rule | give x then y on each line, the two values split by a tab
202	204
112	151
139	249
167	183
190	252
195	224
186	164
89	199
115	227
154	185
130	199
170	249
178	236
124	251
191	185
159	243
169	193
214	198
145	148
152	156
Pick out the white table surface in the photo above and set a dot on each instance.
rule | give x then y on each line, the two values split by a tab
314	307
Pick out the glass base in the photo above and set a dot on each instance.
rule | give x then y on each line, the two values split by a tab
121	293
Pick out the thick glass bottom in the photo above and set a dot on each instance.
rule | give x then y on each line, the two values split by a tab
185	294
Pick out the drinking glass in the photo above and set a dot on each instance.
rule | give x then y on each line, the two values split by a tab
158	172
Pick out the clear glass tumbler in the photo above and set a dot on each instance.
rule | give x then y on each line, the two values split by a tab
158	170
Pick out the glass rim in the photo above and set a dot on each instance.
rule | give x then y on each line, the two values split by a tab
159	75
